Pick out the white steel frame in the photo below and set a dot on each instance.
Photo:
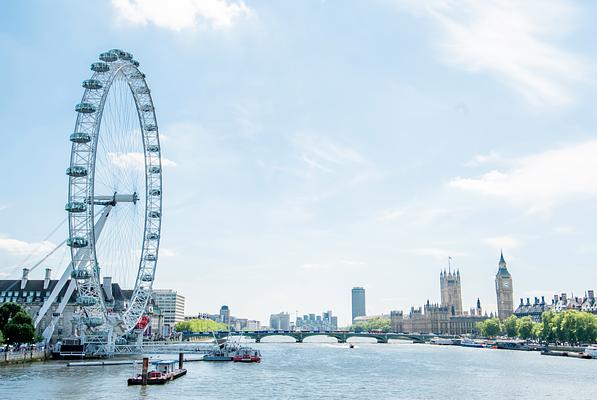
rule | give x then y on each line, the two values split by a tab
81	190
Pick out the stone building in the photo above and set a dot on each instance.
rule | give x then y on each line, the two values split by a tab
446	318
434	318
32	293
451	291
504	291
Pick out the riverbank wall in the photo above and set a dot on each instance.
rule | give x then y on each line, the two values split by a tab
15	357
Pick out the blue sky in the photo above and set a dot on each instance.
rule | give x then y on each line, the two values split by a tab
320	145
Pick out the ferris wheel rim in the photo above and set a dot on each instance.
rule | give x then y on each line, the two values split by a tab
81	198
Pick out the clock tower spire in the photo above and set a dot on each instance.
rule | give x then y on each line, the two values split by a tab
503	289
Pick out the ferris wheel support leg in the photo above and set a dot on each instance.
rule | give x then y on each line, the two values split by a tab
50	300
67	272
49	331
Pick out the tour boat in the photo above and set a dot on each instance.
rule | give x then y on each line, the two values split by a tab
512	345
162	372
591	351
470	343
221	353
247	355
442	341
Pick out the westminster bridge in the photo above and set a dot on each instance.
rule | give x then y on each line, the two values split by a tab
299	336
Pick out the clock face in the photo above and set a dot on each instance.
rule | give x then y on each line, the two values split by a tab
506	284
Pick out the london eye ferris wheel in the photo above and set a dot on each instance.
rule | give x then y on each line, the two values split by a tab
115	193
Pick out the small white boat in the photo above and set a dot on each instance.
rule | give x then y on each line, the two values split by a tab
470	343
442	341
591	351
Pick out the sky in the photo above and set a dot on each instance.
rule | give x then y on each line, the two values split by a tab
314	146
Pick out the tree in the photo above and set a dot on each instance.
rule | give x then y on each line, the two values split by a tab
490	327
537	332
525	327
7	311
1	338
374	324
19	329
200	325
510	326
548	331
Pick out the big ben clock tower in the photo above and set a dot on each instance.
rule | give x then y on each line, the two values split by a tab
503	289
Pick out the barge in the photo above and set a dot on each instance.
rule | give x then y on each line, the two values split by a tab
163	371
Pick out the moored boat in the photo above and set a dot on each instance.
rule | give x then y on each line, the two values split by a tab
512	345
442	341
163	371
466	342
591	351
247	355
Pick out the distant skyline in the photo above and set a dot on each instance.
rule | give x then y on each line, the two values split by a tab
315	146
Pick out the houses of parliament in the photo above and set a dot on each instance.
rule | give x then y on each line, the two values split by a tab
448	316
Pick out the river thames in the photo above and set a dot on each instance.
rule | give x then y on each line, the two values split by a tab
327	371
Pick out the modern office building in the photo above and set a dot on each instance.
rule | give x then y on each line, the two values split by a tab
280	321
358	302
311	322
171	304
225	315
504	291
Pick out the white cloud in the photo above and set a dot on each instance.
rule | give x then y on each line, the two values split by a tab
313	267
439	254
489	158
17	247
324	154
417	215
134	160
564	230
182	14
390	215
167	252
542	180
505	242
510	40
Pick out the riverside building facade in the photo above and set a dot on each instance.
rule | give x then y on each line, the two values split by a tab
171	304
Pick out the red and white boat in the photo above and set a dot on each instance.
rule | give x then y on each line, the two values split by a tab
247	355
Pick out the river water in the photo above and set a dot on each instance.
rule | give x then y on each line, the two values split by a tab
327	371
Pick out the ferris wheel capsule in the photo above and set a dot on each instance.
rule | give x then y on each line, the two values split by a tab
80	137
108	56
100	67
75	207
85	108
86	301
81	274
76	171
92	84
77	242
93	321
153	236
